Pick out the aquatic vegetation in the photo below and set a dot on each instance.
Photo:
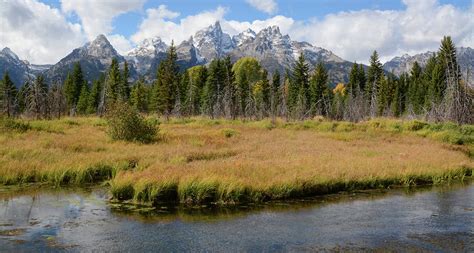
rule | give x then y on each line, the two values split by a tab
230	161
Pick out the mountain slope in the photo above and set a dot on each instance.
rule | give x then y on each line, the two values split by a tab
274	50
212	42
403	64
278	52
95	57
16	68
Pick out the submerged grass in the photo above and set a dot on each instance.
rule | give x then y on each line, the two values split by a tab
201	160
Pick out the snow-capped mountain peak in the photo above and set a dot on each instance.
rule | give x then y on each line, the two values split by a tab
149	47
244	37
271	31
100	48
212	42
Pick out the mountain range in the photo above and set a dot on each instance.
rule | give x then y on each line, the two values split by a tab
404	63
274	50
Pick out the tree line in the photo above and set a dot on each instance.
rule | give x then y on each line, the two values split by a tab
246	90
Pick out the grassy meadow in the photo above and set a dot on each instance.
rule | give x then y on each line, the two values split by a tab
199	160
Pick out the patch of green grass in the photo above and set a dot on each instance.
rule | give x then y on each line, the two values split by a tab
199	191
8	124
229	132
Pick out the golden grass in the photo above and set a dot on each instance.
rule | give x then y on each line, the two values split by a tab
201	160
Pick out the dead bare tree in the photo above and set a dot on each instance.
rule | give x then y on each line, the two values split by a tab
456	100
57	101
37	98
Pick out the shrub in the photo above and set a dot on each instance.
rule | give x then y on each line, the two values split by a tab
415	125
229	132
125	123
8	124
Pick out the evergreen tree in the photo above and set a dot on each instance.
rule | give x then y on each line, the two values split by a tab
8	93
320	92
83	102
124	86
138	96
166	86
433	82
447	58
95	95
73	85
437	86
285	93
353	83
262	95
197	80
275	93
113	83
300	97
456	101
383	95
230	89
415	90
362	80
21	97
211	87
183	94
374	78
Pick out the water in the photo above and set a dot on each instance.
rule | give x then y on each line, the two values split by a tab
439	219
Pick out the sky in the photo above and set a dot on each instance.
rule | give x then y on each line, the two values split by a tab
44	31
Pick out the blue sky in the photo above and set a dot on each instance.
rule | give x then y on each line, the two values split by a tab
126	24
350	28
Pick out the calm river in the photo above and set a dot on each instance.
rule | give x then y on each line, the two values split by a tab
439	219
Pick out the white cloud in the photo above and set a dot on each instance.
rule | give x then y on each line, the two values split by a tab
158	22
267	6
352	35
97	15
42	34
286	25
37	32
120	43
418	28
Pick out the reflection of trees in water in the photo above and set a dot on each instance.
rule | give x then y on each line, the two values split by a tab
17	209
33	198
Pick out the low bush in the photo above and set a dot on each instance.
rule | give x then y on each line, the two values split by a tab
415	125
8	124
229	132
125	123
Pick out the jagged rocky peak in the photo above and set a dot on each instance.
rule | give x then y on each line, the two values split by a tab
404	63
149	47
188	55
271	31
244	37
8	52
212	42
101	48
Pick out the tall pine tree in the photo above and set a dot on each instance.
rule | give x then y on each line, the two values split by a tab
374	78
299	97
113	83
165	90
320	92
8	93
73	85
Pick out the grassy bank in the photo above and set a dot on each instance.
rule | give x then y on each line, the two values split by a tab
200	160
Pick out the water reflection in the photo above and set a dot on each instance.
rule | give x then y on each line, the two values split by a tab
82	219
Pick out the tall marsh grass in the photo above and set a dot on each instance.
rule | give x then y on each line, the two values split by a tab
223	161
